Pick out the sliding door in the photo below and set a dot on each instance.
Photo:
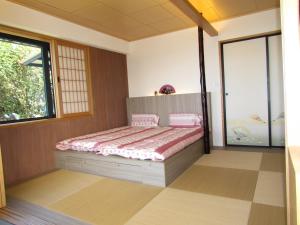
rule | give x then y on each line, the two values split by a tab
253	92
276	91
245	92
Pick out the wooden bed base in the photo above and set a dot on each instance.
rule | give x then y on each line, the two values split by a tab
158	173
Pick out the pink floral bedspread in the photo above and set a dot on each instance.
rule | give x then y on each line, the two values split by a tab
156	143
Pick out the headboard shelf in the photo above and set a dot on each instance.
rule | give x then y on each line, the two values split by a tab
162	105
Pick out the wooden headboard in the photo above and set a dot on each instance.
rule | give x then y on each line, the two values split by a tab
162	105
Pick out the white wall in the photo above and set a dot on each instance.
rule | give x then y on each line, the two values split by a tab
24	18
291	68
173	58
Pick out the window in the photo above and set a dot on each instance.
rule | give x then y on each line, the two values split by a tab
74	80
26	87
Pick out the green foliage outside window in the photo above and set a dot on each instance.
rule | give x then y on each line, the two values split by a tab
22	90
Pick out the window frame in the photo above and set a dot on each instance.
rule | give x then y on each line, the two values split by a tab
47	70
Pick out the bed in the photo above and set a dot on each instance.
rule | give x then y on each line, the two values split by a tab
149	155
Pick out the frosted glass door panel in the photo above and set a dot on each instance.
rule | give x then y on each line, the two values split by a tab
276	91
245	76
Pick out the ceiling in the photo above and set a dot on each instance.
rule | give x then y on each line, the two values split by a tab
136	19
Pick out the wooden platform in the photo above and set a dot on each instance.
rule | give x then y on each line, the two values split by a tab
142	171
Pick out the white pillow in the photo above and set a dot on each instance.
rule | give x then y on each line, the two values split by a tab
144	120
185	119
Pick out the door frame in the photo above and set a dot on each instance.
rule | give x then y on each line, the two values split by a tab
221	49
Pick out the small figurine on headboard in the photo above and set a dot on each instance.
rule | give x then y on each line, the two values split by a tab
167	89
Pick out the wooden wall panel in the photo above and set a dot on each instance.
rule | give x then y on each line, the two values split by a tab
112	88
27	150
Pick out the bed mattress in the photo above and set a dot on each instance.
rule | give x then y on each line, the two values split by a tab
155	143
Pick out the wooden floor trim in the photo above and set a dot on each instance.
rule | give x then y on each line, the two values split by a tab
21	212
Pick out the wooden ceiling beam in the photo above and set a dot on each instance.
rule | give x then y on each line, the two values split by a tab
189	10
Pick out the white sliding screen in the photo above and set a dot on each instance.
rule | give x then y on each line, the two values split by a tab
74	80
246	96
253	91
276	91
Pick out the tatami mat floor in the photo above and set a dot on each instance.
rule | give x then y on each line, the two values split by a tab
223	188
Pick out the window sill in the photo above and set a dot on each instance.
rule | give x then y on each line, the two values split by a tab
42	121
